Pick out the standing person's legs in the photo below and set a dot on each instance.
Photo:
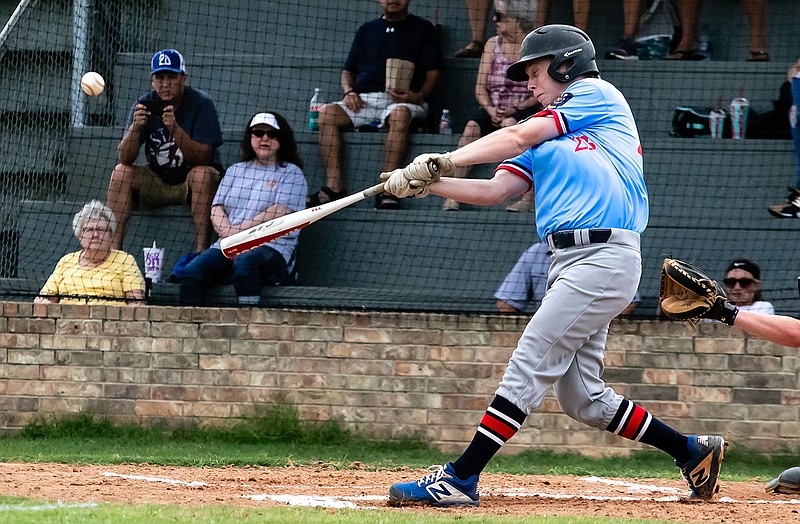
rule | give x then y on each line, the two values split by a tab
632	11
477	13
580	13
625	48
207	269
690	22
125	180
331	119
756	13
202	181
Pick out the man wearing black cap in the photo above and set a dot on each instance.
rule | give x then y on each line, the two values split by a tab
180	128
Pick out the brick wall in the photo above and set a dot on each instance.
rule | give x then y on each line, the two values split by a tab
389	374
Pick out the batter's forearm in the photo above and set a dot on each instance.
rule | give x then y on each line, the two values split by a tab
492	148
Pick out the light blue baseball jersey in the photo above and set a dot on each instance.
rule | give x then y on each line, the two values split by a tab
591	175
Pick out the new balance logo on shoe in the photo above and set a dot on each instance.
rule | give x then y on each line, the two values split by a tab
439	490
702	470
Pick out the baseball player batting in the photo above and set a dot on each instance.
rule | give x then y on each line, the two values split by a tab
583	157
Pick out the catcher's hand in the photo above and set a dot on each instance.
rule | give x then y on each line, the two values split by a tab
416	178
689	294
787	482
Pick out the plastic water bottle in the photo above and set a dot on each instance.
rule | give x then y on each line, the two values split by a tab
446	123
704	46
313	110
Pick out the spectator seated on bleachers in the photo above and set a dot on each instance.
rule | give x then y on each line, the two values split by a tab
368	98
502	102
743	285
266	184
180	128
97	274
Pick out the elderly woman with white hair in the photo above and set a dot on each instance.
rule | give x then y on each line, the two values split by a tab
97	274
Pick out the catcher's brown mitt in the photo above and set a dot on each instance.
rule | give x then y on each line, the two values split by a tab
687	293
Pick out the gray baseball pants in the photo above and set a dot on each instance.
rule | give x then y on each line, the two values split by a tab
563	344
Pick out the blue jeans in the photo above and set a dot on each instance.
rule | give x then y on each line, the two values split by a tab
795	127
248	272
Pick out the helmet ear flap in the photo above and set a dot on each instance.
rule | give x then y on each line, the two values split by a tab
582	58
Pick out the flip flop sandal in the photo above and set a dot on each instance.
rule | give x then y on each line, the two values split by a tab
314	200
468	52
757	56
692	55
386	201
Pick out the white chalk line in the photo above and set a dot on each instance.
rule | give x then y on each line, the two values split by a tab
155	479
46	507
316	501
346	501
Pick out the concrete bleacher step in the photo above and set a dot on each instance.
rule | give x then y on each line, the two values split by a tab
356	298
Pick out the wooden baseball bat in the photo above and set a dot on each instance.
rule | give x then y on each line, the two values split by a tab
277	227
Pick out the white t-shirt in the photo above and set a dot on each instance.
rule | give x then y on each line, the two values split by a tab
759	306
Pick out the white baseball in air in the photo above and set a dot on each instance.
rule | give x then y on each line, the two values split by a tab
92	83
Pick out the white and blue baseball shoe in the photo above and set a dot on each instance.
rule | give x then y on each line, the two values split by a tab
440	487
702	470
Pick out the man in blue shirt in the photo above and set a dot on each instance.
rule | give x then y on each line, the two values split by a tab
396	35
180	130
583	157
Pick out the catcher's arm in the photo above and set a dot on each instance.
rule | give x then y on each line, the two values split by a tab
779	329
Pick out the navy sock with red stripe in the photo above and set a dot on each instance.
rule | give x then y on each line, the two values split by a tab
635	423
501	421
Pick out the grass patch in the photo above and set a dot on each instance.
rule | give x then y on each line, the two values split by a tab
277	437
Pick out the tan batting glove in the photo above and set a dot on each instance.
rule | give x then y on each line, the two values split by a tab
396	184
429	167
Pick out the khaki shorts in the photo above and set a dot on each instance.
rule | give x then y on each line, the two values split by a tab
153	192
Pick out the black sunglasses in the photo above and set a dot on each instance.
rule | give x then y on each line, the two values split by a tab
743	282
259	133
498	16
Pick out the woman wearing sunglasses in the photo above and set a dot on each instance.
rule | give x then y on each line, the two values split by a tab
267	183
743	285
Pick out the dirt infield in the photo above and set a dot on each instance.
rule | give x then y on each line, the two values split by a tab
738	502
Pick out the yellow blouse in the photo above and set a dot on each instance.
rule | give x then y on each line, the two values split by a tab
74	284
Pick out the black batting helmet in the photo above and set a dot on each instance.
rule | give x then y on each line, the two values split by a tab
562	42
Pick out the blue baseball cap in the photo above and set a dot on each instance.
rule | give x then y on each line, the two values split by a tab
168	60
